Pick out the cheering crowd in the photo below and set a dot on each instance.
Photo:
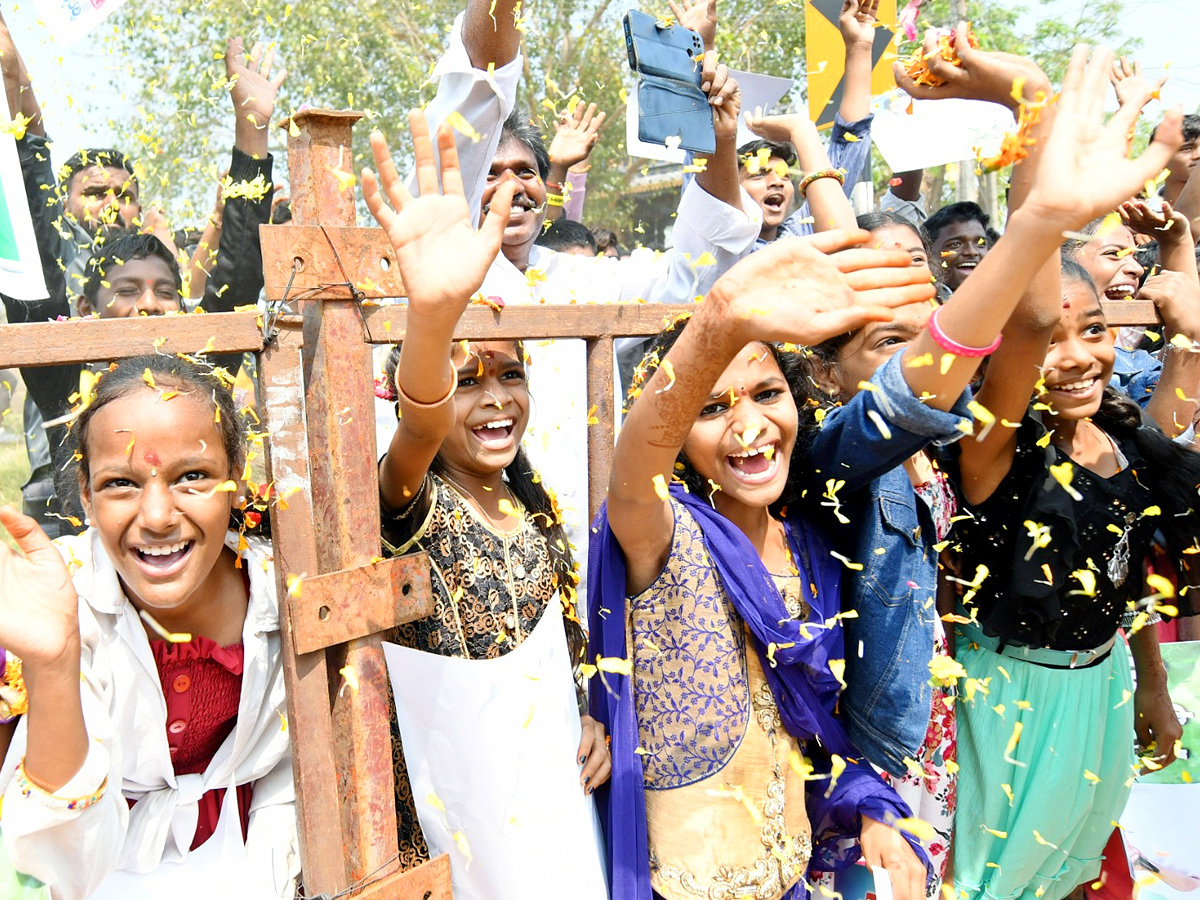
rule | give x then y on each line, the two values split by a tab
894	525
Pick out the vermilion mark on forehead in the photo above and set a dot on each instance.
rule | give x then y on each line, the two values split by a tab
151	458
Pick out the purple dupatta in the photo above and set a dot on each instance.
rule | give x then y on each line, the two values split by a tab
800	679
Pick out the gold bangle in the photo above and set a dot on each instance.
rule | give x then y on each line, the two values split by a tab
403	395
50	800
836	174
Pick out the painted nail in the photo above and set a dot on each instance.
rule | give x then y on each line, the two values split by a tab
587	779
591	790
582	760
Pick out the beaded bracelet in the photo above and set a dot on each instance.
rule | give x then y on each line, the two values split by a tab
13	699
555	200
554	187
836	174
950	345
403	395
51	800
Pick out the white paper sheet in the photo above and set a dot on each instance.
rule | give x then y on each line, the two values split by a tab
20	265
757	90
490	747
937	132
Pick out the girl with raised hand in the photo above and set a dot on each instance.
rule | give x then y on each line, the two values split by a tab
1058	514
455	481
729	599
153	760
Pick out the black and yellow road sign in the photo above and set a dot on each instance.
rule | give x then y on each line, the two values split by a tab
826	53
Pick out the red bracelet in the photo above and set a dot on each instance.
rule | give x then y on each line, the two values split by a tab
952	346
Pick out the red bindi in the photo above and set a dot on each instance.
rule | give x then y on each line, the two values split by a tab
151	458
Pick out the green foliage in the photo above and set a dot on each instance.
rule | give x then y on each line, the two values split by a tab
378	58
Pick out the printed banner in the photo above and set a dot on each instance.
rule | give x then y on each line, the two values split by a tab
20	266
826	56
70	20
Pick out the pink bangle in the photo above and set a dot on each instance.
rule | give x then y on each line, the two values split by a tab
952	346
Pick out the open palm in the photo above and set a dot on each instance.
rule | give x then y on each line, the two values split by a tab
807	290
38	605
1084	171
442	258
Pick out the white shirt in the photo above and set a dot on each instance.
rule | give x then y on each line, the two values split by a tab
557	436
73	852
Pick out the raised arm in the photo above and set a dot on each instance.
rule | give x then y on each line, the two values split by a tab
1175	292
826	200
575	136
720	175
490	32
856	22
443	261
800	290
1083	172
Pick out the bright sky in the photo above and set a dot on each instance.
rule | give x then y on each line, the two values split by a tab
74	80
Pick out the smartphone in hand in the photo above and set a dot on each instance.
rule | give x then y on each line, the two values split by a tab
672	110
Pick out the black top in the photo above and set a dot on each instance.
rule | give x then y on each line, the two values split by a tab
1060	570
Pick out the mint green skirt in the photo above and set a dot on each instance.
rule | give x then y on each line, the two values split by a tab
14	885
1069	774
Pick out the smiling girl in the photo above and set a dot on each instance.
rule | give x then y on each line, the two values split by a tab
726	603
153	757
1061	488
455	481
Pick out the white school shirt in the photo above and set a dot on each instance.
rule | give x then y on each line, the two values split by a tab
126	717
557	436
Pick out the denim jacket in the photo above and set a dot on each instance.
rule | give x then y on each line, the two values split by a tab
1136	373
891	533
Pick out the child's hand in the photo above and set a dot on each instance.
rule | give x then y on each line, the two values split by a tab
253	92
885	847
575	135
782	128
442	259
39	609
1130	85
1084	171
700	17
1158	222
593	755
983	75
1176	296
856	21
807	290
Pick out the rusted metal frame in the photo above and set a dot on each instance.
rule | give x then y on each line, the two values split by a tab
332	609
386	324
428	881
601	420
338	394
301	262
293	534
88	340
1130	312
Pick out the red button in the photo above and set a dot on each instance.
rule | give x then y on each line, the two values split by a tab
181	683
177	726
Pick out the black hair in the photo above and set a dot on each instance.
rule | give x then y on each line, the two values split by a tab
110	251
781	149
1072	246
86	158
1074	271
1190	127
877	219
526	485
169	373
563	234
963	211
519	127
786	356
605	238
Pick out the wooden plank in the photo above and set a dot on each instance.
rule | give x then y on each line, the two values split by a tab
428	881
339	415
318	806
386	324
340	606
600	437
89	340
305	262
1130	312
